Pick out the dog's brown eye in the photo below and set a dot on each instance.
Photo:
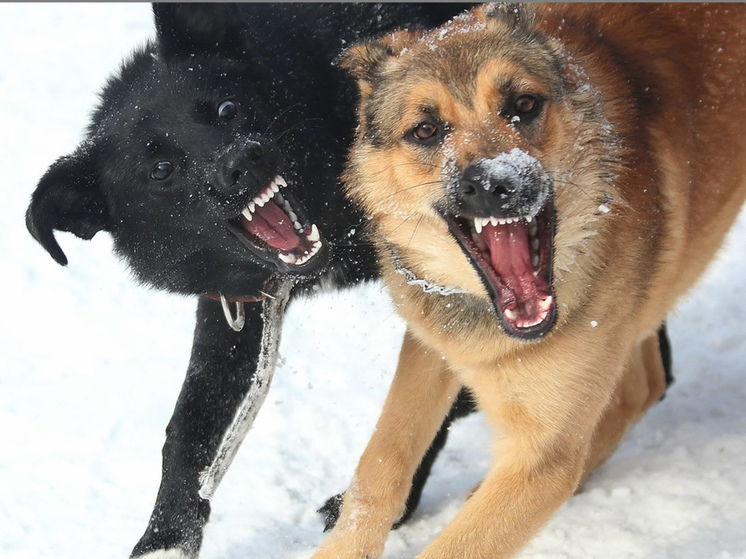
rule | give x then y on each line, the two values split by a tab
526	104
425	131
227	110
161	170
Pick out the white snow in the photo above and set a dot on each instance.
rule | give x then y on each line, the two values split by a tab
91	364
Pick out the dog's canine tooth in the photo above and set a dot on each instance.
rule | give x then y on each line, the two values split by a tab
478	224
314	234
280	181
288	258
247	214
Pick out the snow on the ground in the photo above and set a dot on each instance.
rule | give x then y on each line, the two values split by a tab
90	366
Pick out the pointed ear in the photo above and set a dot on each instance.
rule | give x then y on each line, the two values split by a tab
185	29
67	198
367	60
520	18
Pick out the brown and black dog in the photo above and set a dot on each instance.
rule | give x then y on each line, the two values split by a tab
545	182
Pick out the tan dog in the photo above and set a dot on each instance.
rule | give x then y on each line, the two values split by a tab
557	174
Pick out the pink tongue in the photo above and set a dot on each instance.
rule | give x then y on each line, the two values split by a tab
273	226
511	258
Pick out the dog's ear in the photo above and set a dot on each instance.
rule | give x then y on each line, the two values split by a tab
185	29
520	18
367	60
67	198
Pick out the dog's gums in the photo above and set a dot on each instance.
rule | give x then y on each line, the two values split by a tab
274	227
514	259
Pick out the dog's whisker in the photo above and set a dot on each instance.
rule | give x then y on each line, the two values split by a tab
403	222
395	165
293	127
279	115
415	230
428	183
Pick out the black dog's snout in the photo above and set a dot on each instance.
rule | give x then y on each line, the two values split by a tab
239	164
486	192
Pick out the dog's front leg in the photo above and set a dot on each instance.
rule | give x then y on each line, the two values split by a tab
545	408
420	396
219	376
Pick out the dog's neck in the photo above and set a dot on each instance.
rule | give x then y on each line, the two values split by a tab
411	278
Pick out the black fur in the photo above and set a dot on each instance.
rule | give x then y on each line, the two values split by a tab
274	61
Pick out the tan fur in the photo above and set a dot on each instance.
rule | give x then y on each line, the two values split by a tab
645	118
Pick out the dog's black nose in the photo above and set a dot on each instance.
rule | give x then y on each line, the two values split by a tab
241	164
487	191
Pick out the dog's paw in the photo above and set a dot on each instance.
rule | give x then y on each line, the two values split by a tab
166	554
331	511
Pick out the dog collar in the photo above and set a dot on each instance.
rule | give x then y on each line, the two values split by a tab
411	278
237	322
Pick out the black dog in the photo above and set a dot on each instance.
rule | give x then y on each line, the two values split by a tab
185	164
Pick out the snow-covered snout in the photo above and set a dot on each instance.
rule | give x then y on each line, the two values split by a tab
500	211
510	186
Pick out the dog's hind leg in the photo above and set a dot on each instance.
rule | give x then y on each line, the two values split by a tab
646	375
220	375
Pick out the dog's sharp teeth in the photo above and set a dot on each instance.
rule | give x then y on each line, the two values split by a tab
511	314
259	201
252	207
485	221
314	234
266	196
478	224
279	199
528	219
494	221
288	258
545	304
275	187
297	226
247	214
280	181
293	216
287	206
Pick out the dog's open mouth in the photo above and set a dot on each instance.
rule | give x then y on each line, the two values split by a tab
274	227
514	259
